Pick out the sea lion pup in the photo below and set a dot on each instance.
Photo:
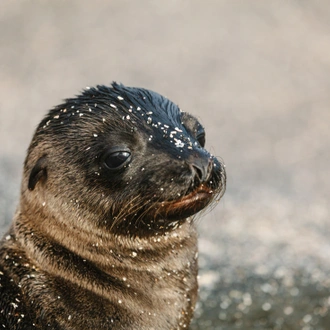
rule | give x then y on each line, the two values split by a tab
103	236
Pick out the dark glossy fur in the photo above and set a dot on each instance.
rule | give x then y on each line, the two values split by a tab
97	247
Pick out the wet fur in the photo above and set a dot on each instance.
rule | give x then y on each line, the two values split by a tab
93	248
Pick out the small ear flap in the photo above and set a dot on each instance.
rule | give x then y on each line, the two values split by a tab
39	172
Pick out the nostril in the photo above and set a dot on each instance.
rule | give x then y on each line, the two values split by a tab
202	168
198	172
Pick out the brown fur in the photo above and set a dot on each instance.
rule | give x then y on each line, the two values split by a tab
93	247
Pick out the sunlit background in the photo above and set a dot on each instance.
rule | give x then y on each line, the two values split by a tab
257	74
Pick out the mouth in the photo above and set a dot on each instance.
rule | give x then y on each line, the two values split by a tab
186	205
157	214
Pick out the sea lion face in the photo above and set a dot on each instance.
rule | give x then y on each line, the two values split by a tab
127	159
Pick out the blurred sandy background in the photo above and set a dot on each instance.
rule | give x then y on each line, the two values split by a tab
257	74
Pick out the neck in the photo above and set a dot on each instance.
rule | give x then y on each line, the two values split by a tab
155	275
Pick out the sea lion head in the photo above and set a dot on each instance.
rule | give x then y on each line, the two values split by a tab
126	160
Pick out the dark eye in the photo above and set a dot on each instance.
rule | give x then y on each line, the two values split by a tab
115	160
201	139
